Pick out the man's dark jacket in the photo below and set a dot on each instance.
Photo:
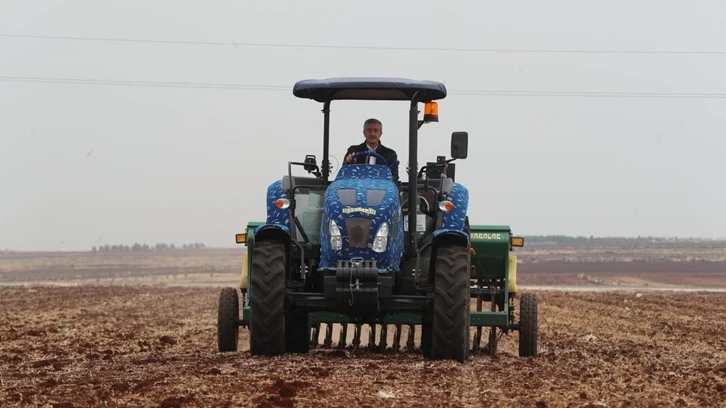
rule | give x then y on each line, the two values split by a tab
387	153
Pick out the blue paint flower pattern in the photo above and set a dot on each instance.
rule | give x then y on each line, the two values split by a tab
456	218
276	215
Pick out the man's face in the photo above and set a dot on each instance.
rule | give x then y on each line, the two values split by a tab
372	132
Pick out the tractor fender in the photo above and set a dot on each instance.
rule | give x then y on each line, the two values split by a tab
276	232
445	236
450	235
272	232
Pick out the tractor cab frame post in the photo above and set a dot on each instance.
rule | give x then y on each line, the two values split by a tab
413	126
326	142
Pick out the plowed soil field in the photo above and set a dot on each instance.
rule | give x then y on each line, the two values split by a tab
97	346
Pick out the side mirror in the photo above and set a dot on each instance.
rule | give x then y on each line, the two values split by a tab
459	145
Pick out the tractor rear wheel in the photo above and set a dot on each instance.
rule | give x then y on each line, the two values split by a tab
528	325
267	299
228	320
450	328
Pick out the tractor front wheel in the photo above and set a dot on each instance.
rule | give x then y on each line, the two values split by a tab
228	320
267	299
450	329
528	325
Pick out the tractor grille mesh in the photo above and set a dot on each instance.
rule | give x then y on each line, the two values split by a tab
358	231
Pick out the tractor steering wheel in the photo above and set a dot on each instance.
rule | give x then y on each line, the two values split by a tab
374	154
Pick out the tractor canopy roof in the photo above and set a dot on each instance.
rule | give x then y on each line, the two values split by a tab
369	88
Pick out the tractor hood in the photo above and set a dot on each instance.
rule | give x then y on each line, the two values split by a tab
362	218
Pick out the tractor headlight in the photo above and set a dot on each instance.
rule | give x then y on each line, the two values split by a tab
381	240
336	240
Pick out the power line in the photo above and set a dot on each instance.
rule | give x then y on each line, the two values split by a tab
657	95
464	92
81	81
366	47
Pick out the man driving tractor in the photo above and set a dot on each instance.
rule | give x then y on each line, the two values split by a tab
372	131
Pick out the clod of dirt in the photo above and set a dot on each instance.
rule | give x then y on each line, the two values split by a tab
44	363
176	402
273	401
50	382
120	387
321	372
282	391
286	389
341	353
167	340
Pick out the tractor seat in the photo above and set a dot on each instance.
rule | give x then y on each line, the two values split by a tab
427	198
441	185
428	195
430	192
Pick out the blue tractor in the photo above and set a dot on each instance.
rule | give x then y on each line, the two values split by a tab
361	250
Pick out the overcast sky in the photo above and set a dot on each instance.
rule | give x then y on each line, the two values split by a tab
89	164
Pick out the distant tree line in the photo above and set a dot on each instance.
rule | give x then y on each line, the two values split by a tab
620	241
146	247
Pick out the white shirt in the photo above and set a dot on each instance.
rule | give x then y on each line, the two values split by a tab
371	159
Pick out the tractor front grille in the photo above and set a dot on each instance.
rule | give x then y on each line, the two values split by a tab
359	229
